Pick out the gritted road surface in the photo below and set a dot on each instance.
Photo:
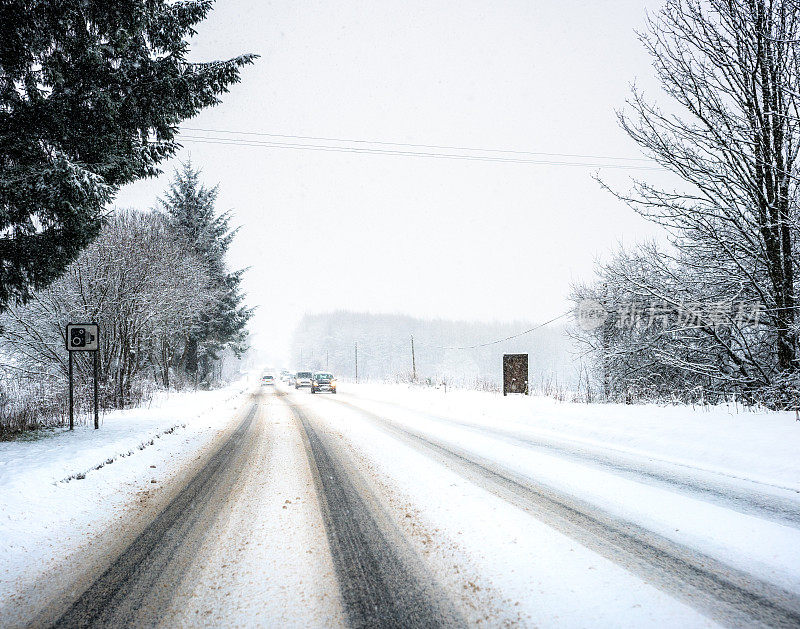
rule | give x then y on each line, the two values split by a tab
380	581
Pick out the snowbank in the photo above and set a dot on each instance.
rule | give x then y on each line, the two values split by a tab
759	446
63	487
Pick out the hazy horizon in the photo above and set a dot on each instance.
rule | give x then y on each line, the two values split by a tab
463	239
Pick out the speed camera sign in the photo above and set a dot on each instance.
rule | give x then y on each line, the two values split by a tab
83	337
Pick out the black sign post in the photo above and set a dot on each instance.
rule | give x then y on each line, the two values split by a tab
83	337
71	414
96	396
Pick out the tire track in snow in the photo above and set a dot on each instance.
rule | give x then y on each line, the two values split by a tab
726	594
381	581
137	586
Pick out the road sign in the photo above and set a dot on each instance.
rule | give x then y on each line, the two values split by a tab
515	373
83	337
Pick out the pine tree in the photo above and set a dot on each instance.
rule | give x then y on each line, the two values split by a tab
190	207
91	95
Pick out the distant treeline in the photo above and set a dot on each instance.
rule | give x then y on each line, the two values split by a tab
384	349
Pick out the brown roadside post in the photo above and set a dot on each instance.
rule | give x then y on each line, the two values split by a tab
515	373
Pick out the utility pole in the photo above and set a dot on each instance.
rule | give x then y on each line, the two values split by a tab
326	359
301	358
413	361
356	361
606	344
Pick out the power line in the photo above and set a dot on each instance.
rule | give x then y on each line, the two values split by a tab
401	153
360	350
508	338
418	146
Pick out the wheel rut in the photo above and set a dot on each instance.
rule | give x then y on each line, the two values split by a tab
382	583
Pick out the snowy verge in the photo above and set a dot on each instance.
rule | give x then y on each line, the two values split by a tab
64	489
757	446
746	446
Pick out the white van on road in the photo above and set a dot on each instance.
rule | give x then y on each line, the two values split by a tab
302	379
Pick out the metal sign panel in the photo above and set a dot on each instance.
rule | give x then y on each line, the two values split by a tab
515	373
83	337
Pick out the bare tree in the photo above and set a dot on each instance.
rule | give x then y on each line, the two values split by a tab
139	282
731	67
656	339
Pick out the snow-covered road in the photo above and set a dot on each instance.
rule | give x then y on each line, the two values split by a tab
657	538
388	506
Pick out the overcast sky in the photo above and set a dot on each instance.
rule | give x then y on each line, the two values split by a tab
462	239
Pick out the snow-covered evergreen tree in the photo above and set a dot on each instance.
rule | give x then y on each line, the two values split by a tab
190	207
91	95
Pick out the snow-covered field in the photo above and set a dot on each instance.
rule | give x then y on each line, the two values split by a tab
60	491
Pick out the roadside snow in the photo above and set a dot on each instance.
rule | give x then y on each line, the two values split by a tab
62	490
747	446
758	446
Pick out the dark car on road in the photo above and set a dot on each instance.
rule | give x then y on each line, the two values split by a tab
323	381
